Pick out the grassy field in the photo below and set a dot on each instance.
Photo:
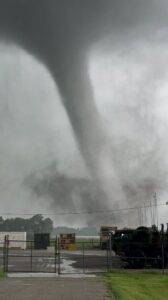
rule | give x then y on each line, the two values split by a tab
88	244
2	275
137	286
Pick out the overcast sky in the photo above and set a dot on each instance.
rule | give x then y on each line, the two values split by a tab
129	75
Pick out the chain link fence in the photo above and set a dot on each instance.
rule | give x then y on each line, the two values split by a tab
82	257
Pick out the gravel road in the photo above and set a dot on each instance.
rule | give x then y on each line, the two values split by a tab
52	289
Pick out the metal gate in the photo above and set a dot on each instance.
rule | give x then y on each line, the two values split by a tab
82	258
86	257
30	259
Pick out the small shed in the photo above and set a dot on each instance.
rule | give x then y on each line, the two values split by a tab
67	239
15	239
41	240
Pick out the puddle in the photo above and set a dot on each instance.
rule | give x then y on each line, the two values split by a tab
66	267
67	271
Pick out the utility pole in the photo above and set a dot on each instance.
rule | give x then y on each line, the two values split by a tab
156	209
145	216
151	213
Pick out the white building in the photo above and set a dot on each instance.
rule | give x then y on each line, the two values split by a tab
16	239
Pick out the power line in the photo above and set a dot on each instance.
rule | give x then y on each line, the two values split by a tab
82	212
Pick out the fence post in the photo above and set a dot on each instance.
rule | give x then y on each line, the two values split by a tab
110	246
107	256
162	259
83	252
4	255
59	262
162	240
7	251
55	254
31	257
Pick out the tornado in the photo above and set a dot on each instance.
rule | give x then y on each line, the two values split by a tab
60	34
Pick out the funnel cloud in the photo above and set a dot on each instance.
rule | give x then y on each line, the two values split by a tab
66	37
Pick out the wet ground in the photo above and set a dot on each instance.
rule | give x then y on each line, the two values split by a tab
69	262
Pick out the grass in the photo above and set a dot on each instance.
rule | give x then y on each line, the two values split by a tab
137	286
87	243
2	275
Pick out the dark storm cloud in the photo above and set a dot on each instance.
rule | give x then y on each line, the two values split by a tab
61	34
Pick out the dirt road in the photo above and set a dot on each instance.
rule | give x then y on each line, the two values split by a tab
52	289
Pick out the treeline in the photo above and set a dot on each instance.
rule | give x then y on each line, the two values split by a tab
35	224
